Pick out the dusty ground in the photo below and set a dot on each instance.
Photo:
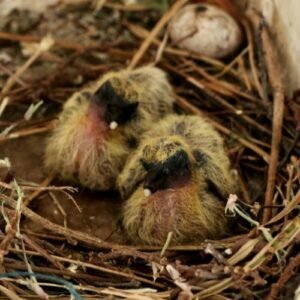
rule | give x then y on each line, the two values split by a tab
100	211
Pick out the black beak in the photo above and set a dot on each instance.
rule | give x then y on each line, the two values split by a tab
154	181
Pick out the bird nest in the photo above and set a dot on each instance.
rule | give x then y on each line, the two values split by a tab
58	240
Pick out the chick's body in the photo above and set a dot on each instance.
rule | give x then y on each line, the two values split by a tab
183	163
83	148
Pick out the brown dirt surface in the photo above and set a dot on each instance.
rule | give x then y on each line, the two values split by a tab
100	211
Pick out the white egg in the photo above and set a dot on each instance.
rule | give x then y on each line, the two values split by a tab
113	125
147	192
205	29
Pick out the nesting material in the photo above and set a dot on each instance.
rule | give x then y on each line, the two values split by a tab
205	29
91	236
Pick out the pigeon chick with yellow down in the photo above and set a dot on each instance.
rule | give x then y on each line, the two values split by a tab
99	125
177	181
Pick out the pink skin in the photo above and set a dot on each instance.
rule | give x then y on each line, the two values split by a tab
96	126
167	204
92	132
161	203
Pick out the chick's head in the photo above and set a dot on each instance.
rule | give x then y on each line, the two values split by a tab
168	164
117	101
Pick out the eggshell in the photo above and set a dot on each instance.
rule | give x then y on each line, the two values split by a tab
205	29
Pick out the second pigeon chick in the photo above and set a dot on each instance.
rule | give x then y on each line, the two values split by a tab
177	180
